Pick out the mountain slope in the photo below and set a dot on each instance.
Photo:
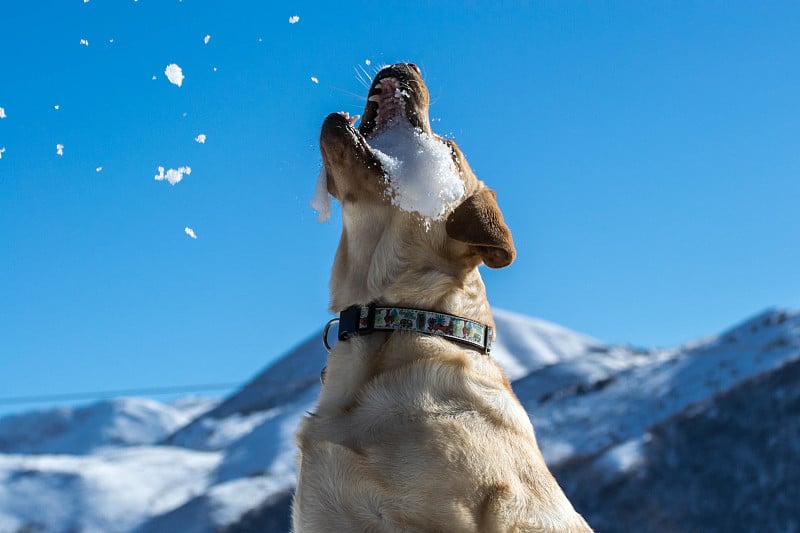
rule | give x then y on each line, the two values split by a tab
117	422
614	422
728	463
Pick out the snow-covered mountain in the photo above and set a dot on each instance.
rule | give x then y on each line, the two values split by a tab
603	414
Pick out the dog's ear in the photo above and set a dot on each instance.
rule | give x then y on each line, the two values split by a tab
479	223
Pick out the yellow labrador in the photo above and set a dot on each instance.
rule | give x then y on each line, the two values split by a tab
417	428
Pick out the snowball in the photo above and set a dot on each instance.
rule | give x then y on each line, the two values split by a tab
190	232
420	172
84	42
174	74
322	200
201	138
172	175
314	79
2	112
294	19
60	149
206	39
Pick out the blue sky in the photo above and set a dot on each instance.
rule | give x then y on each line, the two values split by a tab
645	156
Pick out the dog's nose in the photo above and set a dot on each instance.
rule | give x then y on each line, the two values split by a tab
415	67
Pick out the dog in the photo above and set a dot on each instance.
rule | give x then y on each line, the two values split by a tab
416	431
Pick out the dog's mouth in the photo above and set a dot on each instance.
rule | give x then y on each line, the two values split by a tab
392	156
396	93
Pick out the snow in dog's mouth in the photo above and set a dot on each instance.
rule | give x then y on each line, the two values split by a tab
420	174
419	171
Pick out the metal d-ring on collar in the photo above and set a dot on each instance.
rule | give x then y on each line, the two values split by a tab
325	331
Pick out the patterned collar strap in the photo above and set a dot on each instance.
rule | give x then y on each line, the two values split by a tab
364	319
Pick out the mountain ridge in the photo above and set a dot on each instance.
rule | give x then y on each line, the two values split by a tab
596	410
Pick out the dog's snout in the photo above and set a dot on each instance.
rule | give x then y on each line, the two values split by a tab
415	67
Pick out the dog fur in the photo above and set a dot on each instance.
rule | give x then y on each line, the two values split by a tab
414	432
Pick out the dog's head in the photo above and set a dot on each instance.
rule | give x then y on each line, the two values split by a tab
406	243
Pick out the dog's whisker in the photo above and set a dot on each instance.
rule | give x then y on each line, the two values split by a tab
349	93
360	76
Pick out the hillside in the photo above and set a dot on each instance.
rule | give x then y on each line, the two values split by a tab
614	422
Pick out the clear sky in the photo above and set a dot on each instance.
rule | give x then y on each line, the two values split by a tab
646	156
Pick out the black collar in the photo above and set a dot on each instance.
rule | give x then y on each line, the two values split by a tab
364	319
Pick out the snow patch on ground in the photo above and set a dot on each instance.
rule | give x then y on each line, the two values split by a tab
110	491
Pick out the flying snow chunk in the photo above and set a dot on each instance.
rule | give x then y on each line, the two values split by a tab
173	175
98	169
174	74
60	149
367	62
2	112
2	151
294	19
314	79
206	39
190	232
84	42
201	138
56	107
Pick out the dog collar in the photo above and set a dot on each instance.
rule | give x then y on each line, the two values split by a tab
364	319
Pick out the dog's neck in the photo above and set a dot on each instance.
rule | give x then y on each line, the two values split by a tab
375	263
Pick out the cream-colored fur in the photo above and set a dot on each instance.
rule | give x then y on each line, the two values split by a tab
412	432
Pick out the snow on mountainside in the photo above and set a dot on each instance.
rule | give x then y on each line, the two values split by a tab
117	422
232	467
622	406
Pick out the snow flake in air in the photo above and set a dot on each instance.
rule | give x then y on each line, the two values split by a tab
59	149
84	42
172	175
2	112
174	74
2	151
206	39
190	232
98	169
294	19
56	107
367	62
200	138
314	79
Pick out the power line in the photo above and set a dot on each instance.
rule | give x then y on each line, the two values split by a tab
93	395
